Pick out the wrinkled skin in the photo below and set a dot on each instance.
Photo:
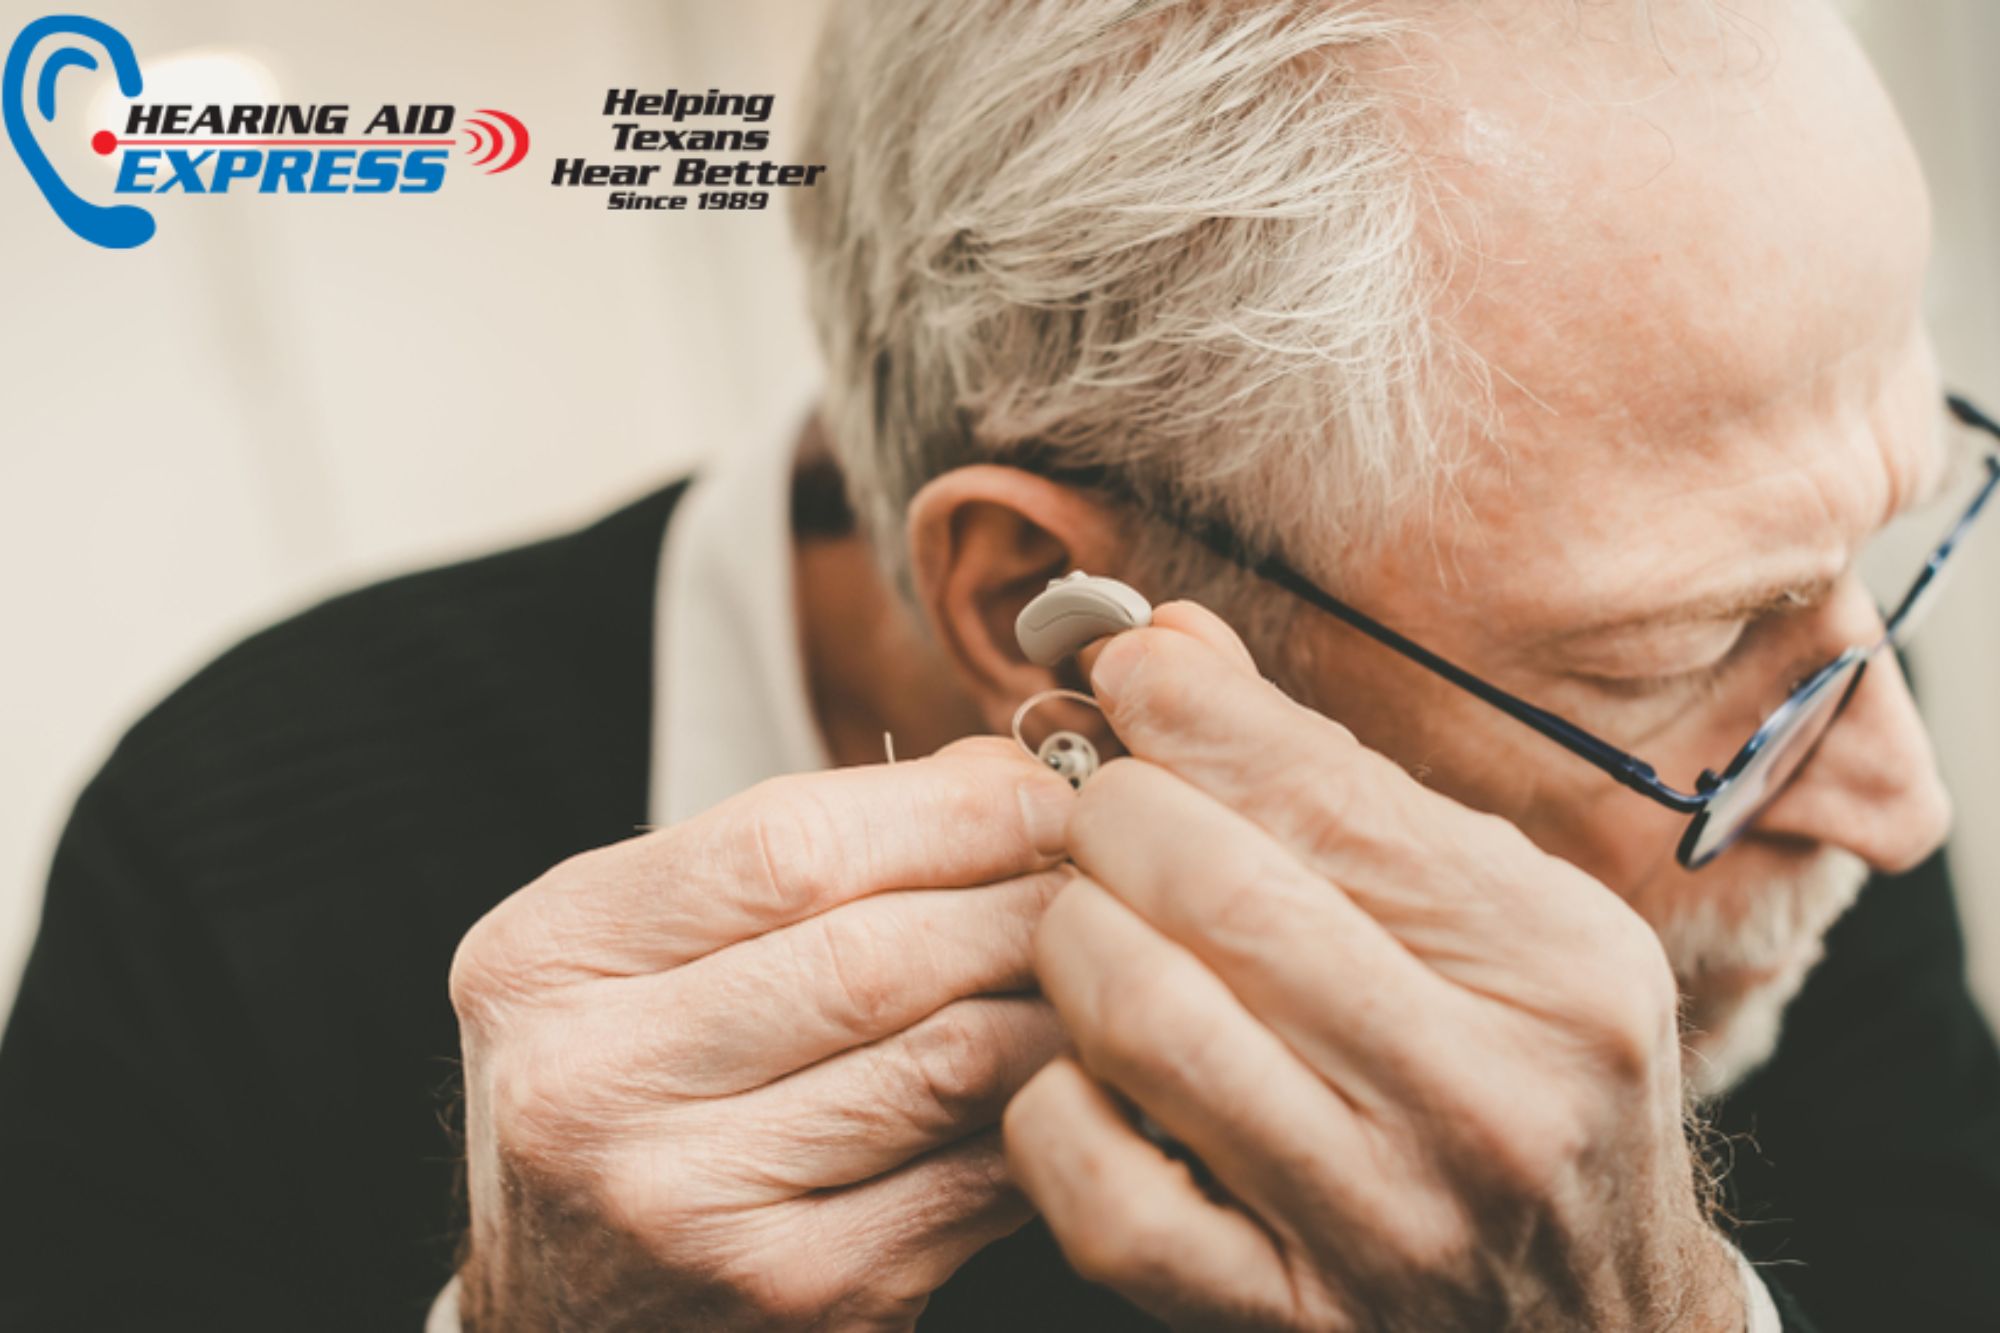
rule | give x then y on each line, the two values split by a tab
746	1072
1433	1070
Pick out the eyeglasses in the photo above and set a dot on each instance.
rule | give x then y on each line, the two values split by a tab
1722	805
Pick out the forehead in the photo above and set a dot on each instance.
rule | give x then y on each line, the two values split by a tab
1690	257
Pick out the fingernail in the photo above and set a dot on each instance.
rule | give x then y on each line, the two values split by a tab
1045	807
1116	663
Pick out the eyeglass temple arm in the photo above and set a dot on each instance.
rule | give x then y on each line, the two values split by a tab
1627	769
1965	410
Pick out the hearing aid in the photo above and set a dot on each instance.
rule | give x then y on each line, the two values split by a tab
1070	754
1071	612
1074	610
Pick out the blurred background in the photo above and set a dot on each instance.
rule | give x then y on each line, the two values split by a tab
272	402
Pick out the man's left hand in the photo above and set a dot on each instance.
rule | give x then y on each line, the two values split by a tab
1430	1073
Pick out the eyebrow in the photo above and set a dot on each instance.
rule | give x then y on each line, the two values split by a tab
1717	609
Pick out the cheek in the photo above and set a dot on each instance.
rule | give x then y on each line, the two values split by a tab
1392	706
1480	757
1619	838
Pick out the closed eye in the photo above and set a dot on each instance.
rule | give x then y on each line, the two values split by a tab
1696	682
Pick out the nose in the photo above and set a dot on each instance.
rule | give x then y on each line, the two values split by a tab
1872	787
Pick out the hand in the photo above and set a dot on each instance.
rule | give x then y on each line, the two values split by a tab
1433	1072
746	1072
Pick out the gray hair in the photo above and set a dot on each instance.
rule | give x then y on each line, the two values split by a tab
1177	239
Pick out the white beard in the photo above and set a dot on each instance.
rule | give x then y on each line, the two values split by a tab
1781	926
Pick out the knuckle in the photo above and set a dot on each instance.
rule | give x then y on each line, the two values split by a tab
1653	977
570	890
784	828
673	1193
954	1070
538	1106
861	954
530	941
1628	1039
1242	905
1564	1142
1338	798
1627	1009
641	1191
786	1295
1436	1243
1531	1153
472	983
493	968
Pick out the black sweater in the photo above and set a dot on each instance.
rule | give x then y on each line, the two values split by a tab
227	1088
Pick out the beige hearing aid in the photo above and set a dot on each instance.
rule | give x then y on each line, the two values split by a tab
1074	610
1071	612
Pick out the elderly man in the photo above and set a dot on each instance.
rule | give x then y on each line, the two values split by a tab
1519	386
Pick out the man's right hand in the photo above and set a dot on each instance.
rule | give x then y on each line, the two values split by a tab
746	1072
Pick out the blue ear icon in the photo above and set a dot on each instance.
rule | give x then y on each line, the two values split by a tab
118	226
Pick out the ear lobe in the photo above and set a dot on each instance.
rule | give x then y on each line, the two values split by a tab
984	541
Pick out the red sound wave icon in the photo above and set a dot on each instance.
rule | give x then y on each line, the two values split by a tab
501	137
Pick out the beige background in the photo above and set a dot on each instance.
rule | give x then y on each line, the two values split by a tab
275	399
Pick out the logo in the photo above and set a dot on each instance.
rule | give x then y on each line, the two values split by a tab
275	148
686	163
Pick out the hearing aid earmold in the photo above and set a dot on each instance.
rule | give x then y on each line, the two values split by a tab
1069	753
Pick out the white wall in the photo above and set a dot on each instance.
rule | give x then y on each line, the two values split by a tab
276	398
279	397
1934	55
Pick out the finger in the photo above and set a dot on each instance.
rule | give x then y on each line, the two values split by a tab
1294	948
1399	848
1150	1020
1132	1219
870	1110
842	979
905	1233
1197	622
787	849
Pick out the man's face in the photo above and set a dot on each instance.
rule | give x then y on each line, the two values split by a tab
1697	287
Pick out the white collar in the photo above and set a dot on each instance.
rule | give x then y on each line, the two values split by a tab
730	704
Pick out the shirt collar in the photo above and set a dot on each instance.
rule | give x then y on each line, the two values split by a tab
730	704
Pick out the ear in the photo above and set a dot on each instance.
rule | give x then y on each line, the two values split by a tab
116	226
984	540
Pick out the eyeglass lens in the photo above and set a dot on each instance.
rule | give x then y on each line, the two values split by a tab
1780	751
1790	737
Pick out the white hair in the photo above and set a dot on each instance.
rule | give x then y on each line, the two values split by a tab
1779	926
1177	239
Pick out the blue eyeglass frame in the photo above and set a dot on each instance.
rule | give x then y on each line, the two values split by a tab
1624	767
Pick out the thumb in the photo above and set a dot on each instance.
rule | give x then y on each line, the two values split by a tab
1195	621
